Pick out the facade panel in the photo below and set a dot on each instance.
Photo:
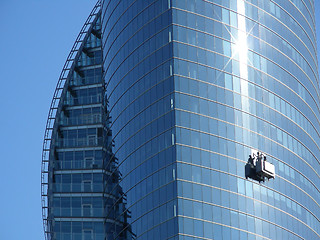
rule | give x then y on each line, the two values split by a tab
138	65
243	84
81	197
196	86
76	201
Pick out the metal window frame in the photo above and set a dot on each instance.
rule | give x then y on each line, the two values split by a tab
53	121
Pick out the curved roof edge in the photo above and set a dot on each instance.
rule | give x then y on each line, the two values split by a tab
55	108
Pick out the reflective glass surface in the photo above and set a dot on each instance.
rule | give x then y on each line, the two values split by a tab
193	88
138	65
82	199
77	201
82	191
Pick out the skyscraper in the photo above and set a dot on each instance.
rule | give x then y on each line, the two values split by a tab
154	145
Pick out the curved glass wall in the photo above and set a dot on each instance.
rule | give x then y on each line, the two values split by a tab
246	80
138	65
82	198
76	198
196	86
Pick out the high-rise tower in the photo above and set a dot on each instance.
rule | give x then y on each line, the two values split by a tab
151	142
194	87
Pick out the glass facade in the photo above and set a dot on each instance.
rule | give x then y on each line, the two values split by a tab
76	198
81	197
194	87
138	65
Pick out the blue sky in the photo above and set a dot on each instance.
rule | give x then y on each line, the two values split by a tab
36	37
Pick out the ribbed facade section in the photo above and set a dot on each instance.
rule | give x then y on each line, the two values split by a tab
80	195
194	87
